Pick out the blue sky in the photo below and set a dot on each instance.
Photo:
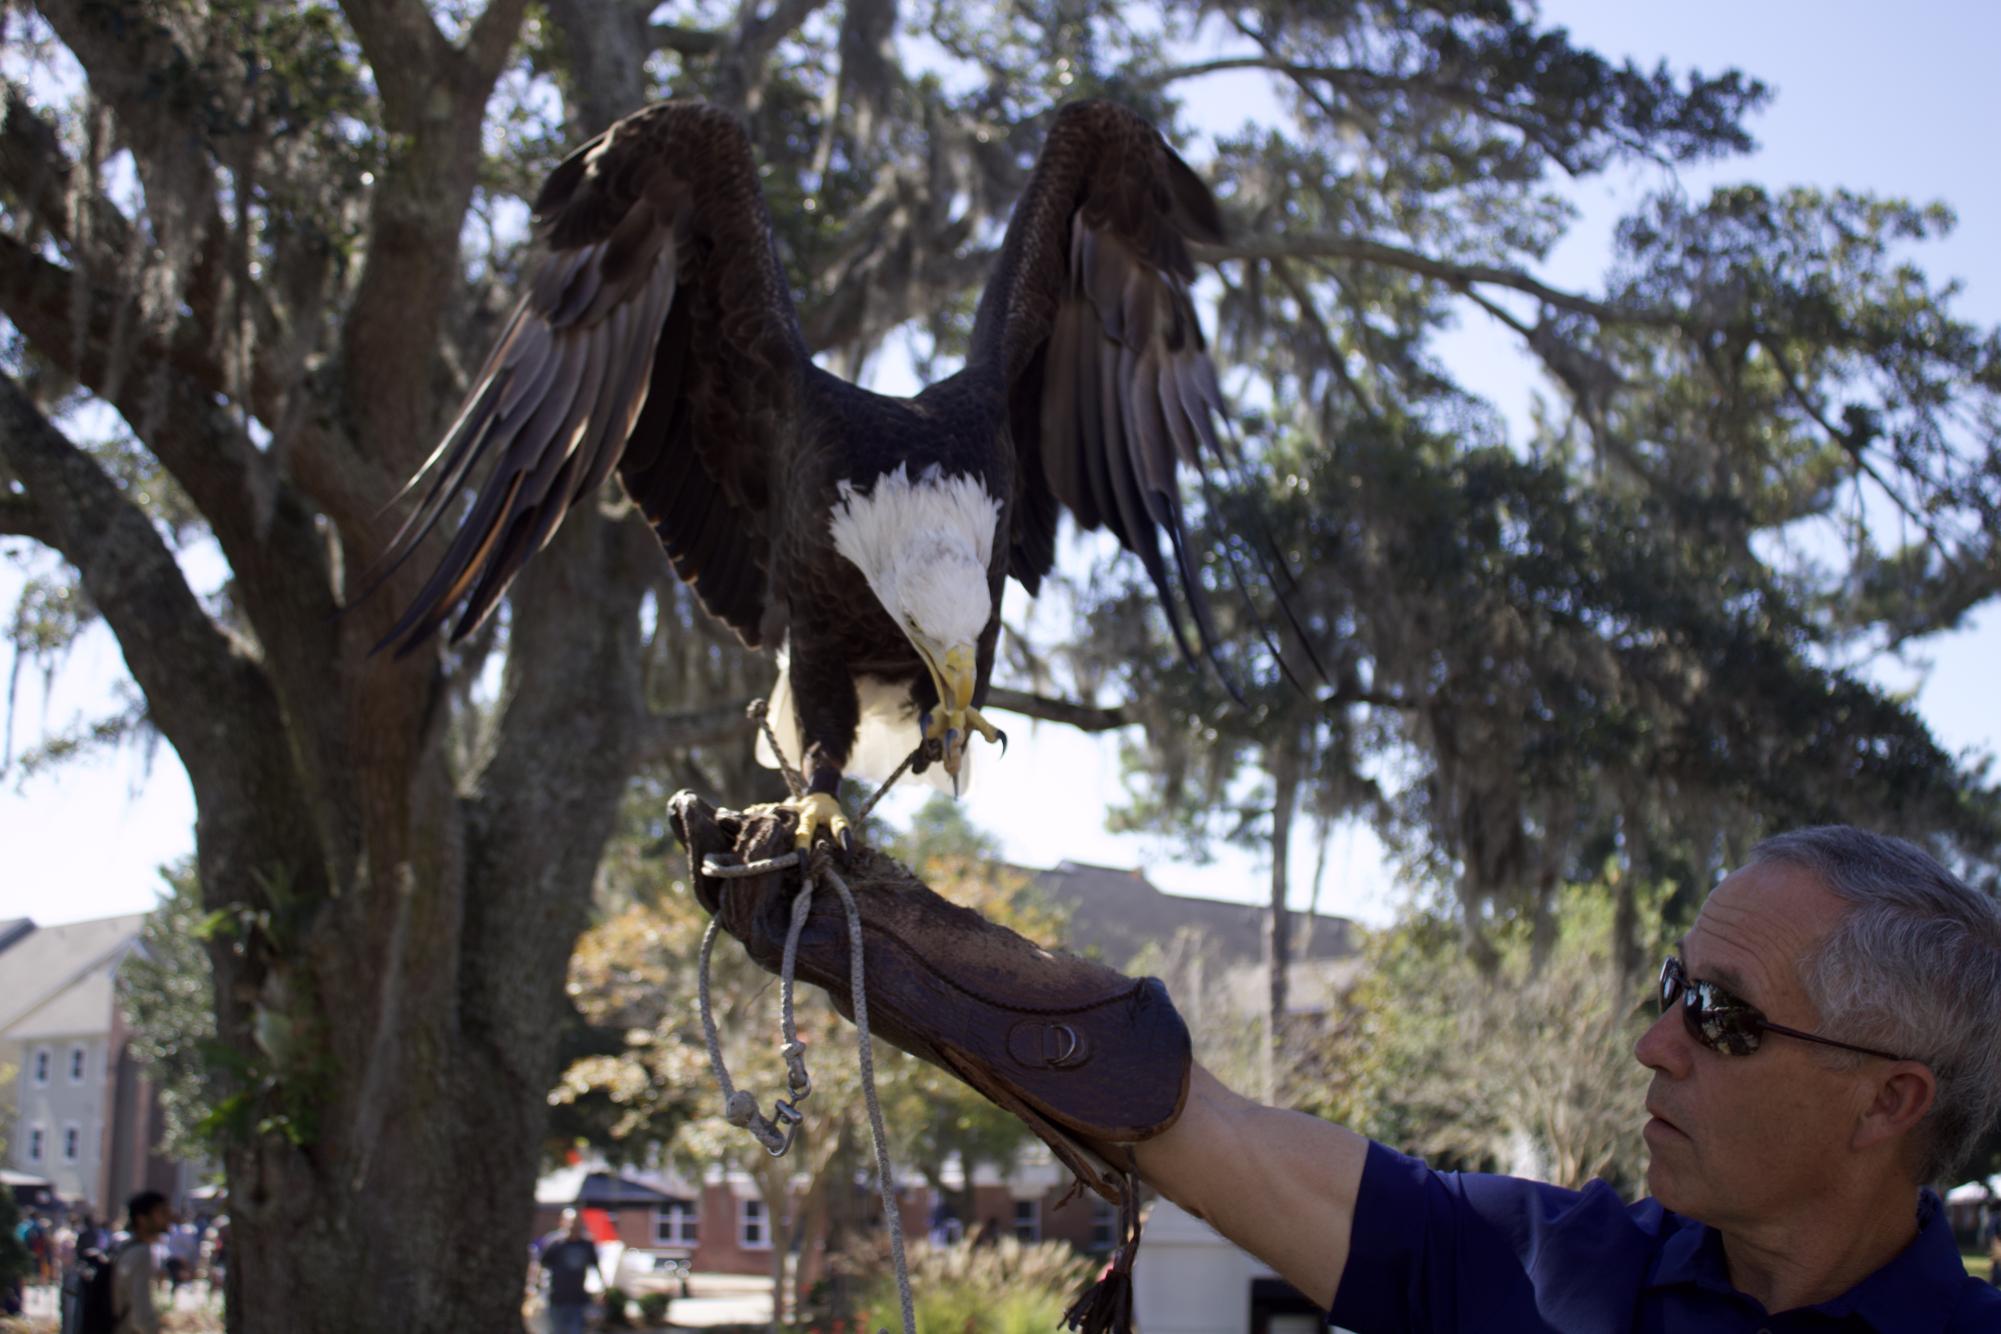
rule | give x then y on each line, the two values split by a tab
1894	100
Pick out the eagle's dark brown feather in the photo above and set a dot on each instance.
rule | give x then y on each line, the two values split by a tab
1089	308
657	337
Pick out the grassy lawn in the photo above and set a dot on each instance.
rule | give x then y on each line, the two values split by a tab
1976	1265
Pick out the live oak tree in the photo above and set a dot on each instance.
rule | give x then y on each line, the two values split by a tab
1765	447
249	254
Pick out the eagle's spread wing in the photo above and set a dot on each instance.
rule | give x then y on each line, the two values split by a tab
657	337
1109	381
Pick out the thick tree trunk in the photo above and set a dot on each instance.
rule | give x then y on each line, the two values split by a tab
400	1192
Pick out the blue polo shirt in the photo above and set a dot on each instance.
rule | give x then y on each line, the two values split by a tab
1436	1251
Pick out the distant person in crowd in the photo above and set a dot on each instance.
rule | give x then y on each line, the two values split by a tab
182	1252
568	1262
215	1252
65	1247
555	1235
1991	1227
34	1234
149	1216
946	1229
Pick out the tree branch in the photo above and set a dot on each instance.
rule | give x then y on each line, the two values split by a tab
20	516
159	94
668	732
1454	275
685	41
264	528
492	37
1853	448
664	734
192	673
1083	717
405	50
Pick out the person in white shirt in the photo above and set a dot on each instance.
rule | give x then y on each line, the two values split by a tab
132	1285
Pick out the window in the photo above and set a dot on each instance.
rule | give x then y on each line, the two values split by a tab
79	1060
1104	1225
72	1142
1028	1220
752	1231
675	1224
34	1144
44	1061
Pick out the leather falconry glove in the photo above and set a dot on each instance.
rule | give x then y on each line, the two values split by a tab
1090	1059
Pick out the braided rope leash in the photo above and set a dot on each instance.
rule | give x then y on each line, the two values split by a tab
759	712
740	1107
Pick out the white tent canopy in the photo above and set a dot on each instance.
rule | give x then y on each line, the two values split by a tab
1975	1190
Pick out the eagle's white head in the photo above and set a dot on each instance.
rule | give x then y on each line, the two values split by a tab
925	544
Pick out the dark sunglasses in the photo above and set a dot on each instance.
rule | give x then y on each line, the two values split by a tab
1724	1023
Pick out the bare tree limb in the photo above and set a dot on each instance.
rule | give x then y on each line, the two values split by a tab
749	49
1083	717
492	37
603	40
671	731
405	50
1460	276
20	516
37	171
159	94
685	41
90	228
663	734
190	670
1854	449
265	530
760	36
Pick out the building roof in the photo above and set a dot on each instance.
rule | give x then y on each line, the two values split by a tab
1119	912
13	928
56	981
590	1187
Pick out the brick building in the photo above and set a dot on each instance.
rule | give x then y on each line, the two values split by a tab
81	1113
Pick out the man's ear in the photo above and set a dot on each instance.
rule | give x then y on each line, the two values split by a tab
1903	1094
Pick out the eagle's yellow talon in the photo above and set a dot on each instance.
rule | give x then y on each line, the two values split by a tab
987	730
819	811
951	729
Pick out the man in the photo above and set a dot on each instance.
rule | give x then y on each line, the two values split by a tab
567	1262
132	1282
1824	1049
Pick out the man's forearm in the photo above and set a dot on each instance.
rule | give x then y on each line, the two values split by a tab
1280	1184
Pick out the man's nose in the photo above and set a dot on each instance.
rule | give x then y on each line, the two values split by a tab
1665	1045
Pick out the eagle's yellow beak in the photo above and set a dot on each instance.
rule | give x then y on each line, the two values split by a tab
954	674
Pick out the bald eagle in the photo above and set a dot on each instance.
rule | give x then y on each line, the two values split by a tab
867	536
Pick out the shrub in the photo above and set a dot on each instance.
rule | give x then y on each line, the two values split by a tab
1004	1287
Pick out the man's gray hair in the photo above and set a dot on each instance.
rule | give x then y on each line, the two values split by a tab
1913	967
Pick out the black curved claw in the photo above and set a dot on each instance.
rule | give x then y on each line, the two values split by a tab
847	841
1001	737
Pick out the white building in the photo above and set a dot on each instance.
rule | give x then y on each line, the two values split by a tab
80	1112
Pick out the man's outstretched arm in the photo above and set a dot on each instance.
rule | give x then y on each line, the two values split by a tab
976	999
1280	1184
